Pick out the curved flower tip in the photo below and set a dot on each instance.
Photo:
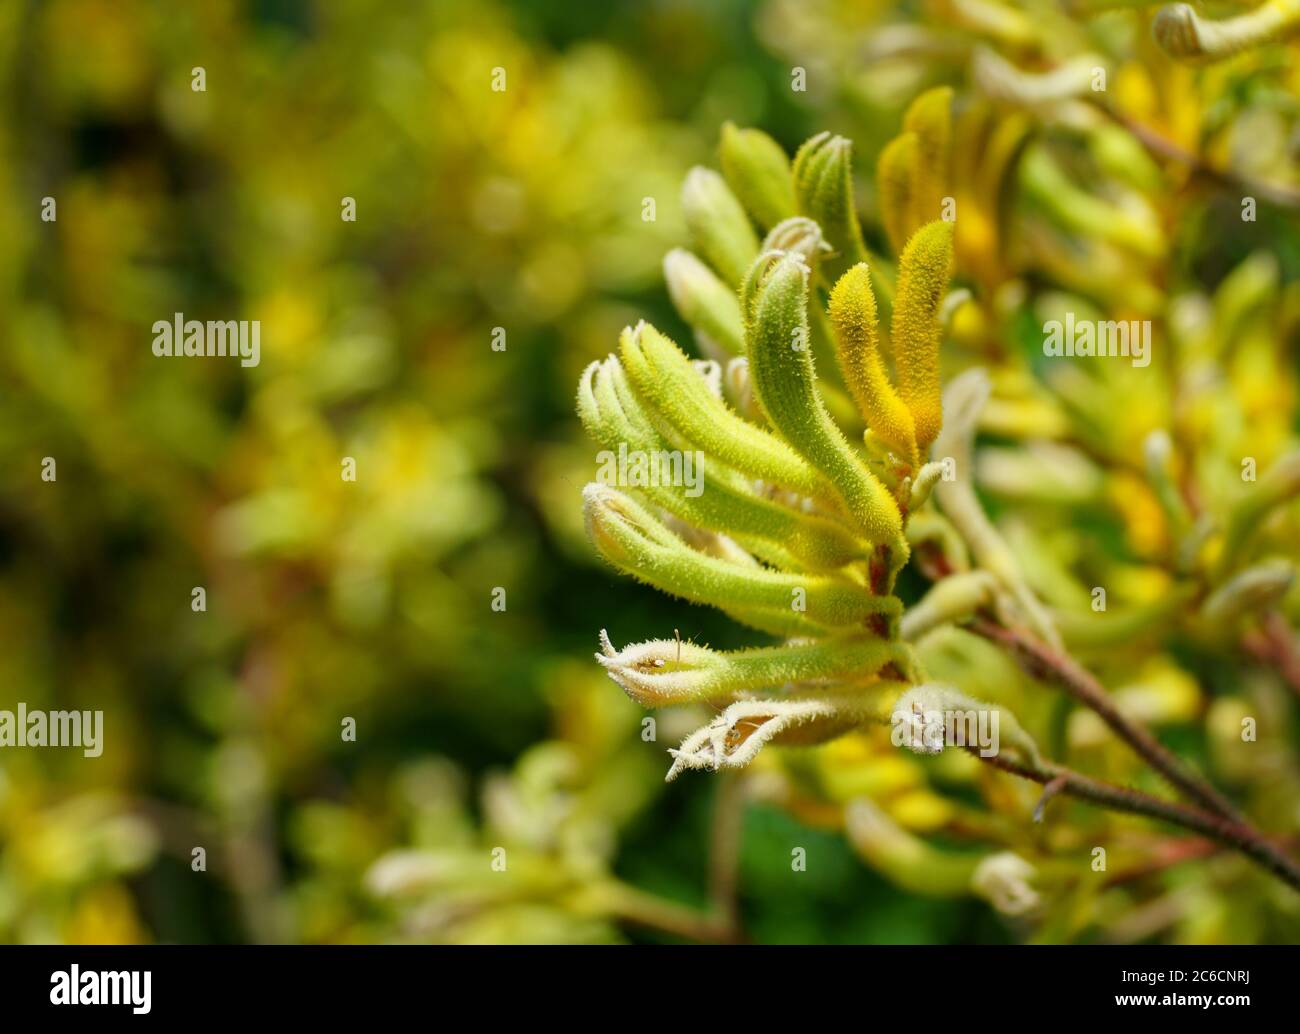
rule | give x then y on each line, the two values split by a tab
918	718
619	528
1003	81
1181	32
658	671
408	872
823	189
1252	590
931	717
1177	30
800	235
734	738
1002	879
951	599
672	671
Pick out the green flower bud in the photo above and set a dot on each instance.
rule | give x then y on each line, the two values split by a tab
668	671
637	543
781	365
663	378
758	170
954	598
1250	288
902	857
823	188
922	279
1001	878
853	315
719	499
704	301
1252	590
1278	485
1120	154
718	224
1135	229
1183	33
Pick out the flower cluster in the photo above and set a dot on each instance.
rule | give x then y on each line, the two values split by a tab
798	531
835	454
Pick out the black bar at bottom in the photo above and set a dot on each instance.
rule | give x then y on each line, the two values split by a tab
143	985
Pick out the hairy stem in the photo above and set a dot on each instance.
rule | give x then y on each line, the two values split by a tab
1042	662
1274	643
1239	836
1276	193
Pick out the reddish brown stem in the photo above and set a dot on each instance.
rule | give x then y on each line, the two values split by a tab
1042	662
1237	835
1274	644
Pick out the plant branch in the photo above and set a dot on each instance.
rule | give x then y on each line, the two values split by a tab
1275	644
1162	147
1042	662
636	906
1237	835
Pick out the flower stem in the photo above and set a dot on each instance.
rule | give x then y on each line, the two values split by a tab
1274	643
1276	193
1042	662
1239	836
632	905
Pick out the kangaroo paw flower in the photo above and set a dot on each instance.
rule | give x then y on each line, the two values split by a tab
718	224
853	315
922	279
668	671
664	379
734	738
704	301
638	543
781	364
823	187
1185	34
1003	879
758	171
